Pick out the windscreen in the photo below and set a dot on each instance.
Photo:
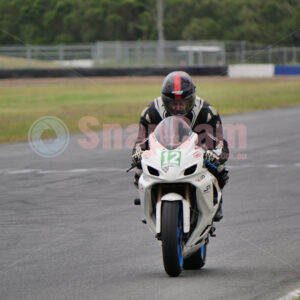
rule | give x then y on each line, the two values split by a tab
172	132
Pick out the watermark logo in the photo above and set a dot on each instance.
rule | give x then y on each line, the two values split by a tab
38	136
114	136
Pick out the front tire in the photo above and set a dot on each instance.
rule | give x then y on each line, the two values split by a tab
171	236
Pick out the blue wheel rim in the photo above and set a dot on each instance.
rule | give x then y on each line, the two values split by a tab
179	239
202	251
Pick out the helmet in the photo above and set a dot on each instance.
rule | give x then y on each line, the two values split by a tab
178	93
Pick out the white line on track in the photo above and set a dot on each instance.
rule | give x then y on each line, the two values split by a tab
25	171
39	171
272	166
292	295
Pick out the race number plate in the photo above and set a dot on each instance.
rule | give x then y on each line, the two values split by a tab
170	158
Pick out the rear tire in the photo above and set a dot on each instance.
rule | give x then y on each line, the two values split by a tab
171	236
197	260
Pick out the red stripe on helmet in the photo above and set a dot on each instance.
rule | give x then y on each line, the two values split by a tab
177	86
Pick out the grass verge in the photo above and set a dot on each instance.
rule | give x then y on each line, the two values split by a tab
20	63
117	100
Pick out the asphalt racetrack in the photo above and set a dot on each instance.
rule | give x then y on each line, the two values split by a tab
69	229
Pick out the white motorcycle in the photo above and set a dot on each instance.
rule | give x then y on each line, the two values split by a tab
178	194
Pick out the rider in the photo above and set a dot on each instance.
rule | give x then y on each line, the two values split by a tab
178	97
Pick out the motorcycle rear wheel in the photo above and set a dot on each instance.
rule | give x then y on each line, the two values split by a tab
171	236
197	260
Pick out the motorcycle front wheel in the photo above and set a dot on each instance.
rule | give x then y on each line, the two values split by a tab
171	236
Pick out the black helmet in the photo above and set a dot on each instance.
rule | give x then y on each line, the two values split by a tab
178	93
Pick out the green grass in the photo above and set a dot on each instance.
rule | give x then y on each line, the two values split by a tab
111	103
242	96
15	62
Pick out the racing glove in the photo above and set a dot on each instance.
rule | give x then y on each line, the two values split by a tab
137	156
217	168
213	157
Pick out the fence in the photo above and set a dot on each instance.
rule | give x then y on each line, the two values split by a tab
146	54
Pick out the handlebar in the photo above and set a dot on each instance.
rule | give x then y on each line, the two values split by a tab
214	165
133	165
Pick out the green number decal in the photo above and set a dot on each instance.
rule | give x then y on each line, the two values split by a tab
170	158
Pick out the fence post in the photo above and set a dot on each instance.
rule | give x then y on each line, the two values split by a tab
294	55
61	54
284	56
139	54
98	53
223	55
160	53
237	56
190	58
29	56
243	46
200	59
93	53
269	54
118	53
125	54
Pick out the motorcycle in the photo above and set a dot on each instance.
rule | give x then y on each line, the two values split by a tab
179	196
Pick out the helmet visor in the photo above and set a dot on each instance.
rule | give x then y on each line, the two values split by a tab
179	107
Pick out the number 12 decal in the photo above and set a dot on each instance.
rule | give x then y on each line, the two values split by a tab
170	158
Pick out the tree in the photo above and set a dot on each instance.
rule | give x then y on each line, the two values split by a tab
86	21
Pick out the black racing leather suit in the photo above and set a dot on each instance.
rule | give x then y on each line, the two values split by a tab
204	120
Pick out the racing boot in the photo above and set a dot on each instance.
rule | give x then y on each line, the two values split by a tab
219	214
